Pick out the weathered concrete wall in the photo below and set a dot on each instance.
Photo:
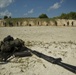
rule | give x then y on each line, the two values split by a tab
63	22
25	23
41	22
1	23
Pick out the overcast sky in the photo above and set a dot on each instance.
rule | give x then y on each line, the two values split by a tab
33	8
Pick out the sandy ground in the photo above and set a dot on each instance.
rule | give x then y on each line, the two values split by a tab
51	41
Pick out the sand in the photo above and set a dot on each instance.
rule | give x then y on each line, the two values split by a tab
49	40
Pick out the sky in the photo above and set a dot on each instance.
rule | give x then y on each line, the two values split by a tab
34	8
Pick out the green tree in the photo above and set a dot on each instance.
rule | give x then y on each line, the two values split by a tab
63	16
5	17
43	16
71	15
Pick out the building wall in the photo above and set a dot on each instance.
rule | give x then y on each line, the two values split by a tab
1	23
41	22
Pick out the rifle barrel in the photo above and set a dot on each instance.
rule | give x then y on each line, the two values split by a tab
54	61
67	66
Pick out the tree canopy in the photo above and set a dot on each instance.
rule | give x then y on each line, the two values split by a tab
5	17
71	15
43	16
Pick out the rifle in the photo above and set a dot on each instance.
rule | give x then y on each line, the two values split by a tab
56	61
